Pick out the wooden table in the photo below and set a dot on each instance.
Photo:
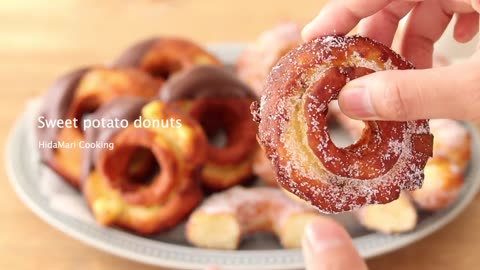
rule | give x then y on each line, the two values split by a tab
41	39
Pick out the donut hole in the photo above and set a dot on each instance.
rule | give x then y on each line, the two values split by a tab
214	120
143	168
163	68
132	167
218	137
343	130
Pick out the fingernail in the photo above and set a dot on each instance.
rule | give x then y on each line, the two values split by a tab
323	236
356	102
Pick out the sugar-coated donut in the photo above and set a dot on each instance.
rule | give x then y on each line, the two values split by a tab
394	217
452	141
257	60
388	158
223	219
77	94
121	190
441	187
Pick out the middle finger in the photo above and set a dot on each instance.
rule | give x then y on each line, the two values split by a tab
383	25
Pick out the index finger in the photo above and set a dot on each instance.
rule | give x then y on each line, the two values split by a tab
340	17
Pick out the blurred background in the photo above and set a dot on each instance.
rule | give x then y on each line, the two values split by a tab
41	39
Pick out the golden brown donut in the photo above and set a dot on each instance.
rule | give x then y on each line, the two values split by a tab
257	60
441	187
221	104
80	93
147	202
388	158
394	217
228	120
225	218
163	56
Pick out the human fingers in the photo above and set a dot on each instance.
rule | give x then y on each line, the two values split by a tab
383	25
475	5
340	17
466	27
326	245
426	24
446	92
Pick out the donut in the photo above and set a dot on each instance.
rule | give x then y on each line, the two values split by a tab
225	218
77	94
162	56
388	157
395	217
441	187
145	199
258	58
452	141
221	104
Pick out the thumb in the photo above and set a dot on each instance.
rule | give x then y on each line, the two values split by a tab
326	245
446	92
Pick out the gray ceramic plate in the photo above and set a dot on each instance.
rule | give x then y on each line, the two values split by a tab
63	208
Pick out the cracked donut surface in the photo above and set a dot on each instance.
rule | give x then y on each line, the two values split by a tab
388	157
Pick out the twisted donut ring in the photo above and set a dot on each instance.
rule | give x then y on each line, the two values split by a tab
225	218
162	57
115	185
77	94
389	157
221	104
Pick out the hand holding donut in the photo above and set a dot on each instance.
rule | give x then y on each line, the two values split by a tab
444	92
292	114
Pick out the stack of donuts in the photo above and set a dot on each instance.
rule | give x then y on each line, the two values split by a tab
202	147
199	156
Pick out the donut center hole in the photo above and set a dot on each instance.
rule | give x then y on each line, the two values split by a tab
343	130
130	168
164	68
218	137
215	122
142	167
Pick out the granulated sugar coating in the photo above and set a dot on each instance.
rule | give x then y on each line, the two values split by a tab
389	156
245	203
